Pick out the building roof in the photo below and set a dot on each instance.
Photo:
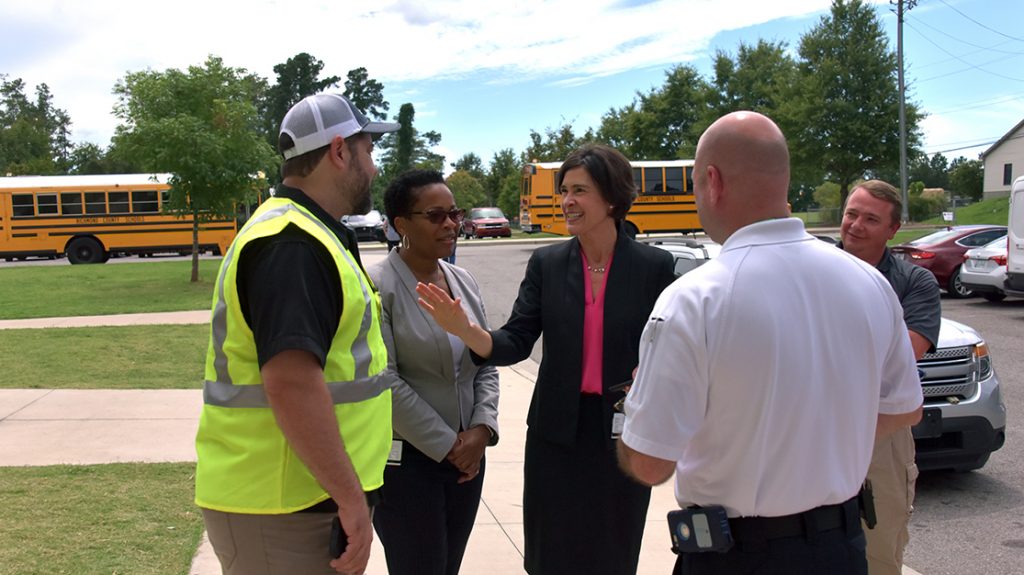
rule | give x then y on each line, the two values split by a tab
1003	139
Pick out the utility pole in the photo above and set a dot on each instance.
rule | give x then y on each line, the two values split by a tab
902	7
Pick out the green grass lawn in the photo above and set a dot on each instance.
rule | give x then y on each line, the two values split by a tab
134	357
121	518
67	290
991	212
995	211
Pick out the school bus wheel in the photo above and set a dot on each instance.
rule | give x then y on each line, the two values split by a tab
85	251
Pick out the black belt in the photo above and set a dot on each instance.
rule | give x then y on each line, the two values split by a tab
808	523
373	498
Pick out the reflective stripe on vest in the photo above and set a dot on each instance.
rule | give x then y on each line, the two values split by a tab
224	393
228	395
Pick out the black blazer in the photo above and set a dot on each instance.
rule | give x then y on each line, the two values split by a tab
551	301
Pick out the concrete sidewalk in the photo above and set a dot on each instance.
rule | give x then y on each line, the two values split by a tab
153	426
160	425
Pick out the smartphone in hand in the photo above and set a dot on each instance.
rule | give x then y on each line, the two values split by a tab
339	540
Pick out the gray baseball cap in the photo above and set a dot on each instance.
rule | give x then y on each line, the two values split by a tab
317	119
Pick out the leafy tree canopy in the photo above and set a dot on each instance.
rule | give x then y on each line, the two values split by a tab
201	125
847	101
366	93
468	191
34	135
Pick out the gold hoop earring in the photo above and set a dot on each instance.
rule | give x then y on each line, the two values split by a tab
405	242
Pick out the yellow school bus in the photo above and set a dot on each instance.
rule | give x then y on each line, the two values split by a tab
665	202
90	218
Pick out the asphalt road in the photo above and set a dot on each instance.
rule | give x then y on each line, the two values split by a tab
964	523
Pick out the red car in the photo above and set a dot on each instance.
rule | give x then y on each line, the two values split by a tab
486	223
942	253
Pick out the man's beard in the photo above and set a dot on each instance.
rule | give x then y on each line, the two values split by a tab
363	202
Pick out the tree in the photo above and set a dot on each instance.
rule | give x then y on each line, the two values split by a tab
468	191
827	197
88	158
297	77
502	182
933	172
201	125
470	163
923	205
966	178
34	136
662	124
760	79
560	143
405	149
366	93
847	98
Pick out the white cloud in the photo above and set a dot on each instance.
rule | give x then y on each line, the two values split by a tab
81	49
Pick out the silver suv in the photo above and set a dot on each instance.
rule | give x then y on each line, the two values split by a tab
687	253
964	415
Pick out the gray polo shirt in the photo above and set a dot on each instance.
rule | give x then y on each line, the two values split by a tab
918	293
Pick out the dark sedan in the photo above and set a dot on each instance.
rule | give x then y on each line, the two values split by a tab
942	253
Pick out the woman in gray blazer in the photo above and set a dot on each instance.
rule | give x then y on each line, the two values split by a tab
445	408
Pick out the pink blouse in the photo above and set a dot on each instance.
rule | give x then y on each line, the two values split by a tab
593	331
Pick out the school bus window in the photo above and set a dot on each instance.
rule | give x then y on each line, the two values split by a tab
638	178
145	201
653	184
95	202
71	204
674	180
118	202
165	198
46	204
22	204
689	180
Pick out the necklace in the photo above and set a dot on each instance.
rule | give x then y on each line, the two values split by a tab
596	269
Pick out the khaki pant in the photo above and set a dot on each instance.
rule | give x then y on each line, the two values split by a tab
892	475
290	544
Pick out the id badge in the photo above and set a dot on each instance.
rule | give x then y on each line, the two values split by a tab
395	455
618	422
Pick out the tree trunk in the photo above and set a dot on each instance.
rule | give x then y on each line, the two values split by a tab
844	190
195	246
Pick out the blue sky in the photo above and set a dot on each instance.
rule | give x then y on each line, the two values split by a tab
484	74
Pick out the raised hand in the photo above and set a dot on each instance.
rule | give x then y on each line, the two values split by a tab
448	313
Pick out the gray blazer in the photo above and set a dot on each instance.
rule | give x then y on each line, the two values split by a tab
428	409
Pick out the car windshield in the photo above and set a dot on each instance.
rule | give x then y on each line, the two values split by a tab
935	237
486	213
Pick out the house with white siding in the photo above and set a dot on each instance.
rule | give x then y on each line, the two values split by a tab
1004	161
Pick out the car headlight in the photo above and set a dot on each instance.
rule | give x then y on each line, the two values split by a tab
982	361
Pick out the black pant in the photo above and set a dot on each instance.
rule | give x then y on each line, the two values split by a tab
425	518
835	552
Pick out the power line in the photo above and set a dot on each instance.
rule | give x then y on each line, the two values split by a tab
954	56
981	104
980	24
978	145
962	41
969	66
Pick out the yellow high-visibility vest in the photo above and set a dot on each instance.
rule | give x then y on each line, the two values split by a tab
245	464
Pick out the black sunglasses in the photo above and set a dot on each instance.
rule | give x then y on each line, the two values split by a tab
438	215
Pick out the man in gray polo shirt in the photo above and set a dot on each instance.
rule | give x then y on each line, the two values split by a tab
870	219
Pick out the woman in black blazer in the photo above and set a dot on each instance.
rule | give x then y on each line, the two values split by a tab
591	297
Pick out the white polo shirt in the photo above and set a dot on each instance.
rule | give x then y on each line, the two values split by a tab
762	374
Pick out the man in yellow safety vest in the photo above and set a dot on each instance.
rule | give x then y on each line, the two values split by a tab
296	422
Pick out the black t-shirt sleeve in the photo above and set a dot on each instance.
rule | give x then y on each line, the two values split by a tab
290	293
